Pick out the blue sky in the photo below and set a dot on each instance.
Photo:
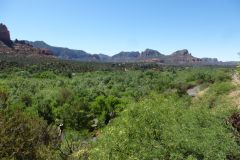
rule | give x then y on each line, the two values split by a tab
207	28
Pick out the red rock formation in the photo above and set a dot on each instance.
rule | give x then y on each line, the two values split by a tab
183	57
26	49
150	53
4	33
19	47
5	49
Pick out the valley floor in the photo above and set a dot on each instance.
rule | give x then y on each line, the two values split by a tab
62	110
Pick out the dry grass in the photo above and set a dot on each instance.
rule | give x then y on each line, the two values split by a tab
235	94
236	79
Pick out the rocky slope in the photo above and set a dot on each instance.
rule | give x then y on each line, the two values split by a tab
66	53
182	57
16	48
126	57
21	49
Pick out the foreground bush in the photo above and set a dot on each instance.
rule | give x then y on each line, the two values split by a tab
167	128
26	138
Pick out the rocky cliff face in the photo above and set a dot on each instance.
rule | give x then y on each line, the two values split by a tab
181	52
181	57
21	47
150	53
18	47
5	35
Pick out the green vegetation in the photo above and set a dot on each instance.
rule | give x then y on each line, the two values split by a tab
168	127
114	111
26	137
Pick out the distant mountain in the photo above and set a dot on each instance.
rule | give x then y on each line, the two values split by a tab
150	53
179	57
66	53
19	48
126	57
135	56
104	57
182	57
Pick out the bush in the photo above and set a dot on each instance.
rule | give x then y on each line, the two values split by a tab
105	109
221	88
65	95
26	138
45	111
46	75
26	100
165	128
75	116
4	95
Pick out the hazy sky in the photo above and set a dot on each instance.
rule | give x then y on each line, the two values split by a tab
207	28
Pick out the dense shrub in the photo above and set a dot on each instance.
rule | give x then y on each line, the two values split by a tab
207	75
4	95
221	88
26	138
105	109
46	74
26	100
87	97
45	111
166	128
76	116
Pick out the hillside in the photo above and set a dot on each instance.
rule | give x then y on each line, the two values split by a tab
180	57
19	48
65	53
